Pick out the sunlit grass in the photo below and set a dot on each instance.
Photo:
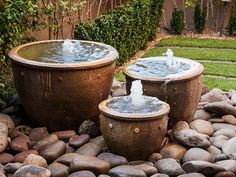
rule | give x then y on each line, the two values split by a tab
198	42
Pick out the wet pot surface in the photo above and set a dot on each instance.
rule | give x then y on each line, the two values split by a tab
62	96
182	93
134	137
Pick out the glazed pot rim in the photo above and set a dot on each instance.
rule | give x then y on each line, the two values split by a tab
108	59
197	70
132	116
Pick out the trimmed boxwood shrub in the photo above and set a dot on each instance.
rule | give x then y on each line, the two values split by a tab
199	18
231	28
177	21
128	28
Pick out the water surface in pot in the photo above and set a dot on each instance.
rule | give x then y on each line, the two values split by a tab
65	51
159	67
124	105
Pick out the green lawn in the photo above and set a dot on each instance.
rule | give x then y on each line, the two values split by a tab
205	49
219	69
120	77
216	69
224	84
198	42
196	54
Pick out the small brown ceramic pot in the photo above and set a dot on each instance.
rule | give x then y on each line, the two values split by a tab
134	136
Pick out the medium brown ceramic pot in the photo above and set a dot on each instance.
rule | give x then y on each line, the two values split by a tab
134	136
182	92
61	96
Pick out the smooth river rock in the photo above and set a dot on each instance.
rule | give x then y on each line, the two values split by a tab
83	173
202	115
20	143
3	137
191	138
180	125
202	126
112	159
192	175
7	120
37	160
77	141
38	133
228	165
160	175
100	141
219	141
216	120
233	99
230	146
170	167
219	126
232	156
91	149
225	132
147	167
90	163
126	171
6	158
50	139
154	157
225	174
67	158
221	108
20	157
214	151
58	170
53	151
175	151
12	167
197	154
69	149
230	119
64	135
32	171
203	167
221	157
215	95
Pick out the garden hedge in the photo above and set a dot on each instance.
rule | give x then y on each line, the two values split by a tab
128	28
231	28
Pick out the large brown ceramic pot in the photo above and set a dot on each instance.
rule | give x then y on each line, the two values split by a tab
57	95
182	92
134	136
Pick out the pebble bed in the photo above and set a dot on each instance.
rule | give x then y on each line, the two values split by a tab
205	147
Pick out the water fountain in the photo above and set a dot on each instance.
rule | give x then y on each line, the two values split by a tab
62	82
130	122
177	81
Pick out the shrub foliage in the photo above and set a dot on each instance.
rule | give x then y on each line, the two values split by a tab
199	18
231	28
127	28
16	16
177	21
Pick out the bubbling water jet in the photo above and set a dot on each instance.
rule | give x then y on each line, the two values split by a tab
137	94
68	47
171	60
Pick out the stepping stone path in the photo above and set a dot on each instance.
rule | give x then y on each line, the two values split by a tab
204	147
